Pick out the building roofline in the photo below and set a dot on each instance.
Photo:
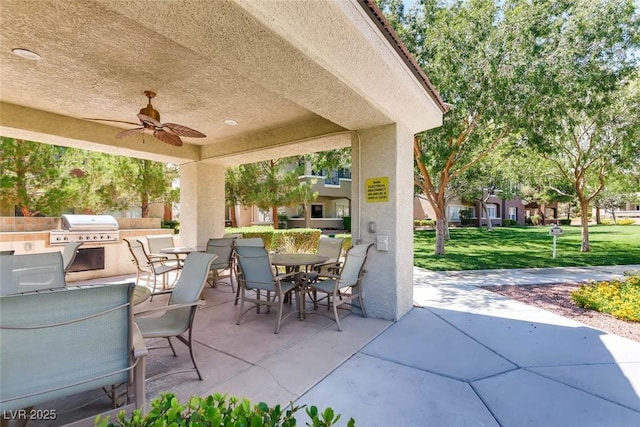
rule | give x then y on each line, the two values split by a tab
381	22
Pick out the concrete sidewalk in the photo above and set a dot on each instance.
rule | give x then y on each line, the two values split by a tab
469	357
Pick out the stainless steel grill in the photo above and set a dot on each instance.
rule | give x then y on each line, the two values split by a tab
87	229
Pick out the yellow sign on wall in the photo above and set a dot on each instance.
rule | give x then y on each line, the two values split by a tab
377	189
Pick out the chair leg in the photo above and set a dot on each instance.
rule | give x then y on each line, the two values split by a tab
188	343
231	279
241	310
335	313
237	293
364	313
279	316
172	349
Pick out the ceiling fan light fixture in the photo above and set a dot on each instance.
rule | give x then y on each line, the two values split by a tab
26	54
230	122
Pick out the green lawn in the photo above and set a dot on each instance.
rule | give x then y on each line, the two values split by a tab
525	247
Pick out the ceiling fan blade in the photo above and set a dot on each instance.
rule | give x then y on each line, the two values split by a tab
129	132
167	137
113	121
150	120
183	130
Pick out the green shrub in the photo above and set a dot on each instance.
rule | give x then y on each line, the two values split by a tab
466	217
619	221
424	222
535	220
217	411
509	222
346	243
288	240
626	221
620	298
304	240
565	222
175	225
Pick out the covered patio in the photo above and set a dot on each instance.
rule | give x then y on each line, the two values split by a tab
261	79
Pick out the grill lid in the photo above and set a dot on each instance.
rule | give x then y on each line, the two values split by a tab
89	223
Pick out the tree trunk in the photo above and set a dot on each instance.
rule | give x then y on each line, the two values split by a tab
613	215
584	220
306	215
145	206
441	231
234	216
486	215
598	221
274	216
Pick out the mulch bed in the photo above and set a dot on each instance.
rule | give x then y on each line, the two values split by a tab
557	299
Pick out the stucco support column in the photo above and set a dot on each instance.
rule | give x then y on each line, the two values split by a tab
385	154
202	204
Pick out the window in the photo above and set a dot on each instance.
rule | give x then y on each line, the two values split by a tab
454	212
513	213
316	211
493	211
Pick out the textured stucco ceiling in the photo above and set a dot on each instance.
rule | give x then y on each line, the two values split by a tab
286	71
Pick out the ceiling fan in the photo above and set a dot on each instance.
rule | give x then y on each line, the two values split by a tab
150	119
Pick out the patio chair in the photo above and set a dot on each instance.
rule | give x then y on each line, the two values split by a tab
158	242
63	342
69	254
31	272
251	241
178	315
348	277
332	248
224	249
148	267
256	274
232	236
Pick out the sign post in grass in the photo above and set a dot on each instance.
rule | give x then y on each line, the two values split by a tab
555	231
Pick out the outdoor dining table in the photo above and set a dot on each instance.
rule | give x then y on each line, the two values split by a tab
294	263
180	250
140	294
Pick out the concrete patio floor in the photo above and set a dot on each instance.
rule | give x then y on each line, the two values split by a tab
246	360
462	357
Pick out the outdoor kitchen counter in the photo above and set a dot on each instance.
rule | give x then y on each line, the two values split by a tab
117	255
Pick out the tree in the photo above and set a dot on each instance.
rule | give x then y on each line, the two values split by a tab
93	187
486	179
31	180
268	185
142	182
479	87
579	56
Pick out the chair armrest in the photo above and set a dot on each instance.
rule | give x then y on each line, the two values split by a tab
170	307
332	265
291	275
139	349
306	276
166	291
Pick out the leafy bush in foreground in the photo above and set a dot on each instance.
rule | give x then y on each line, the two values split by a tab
217	411
620	298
